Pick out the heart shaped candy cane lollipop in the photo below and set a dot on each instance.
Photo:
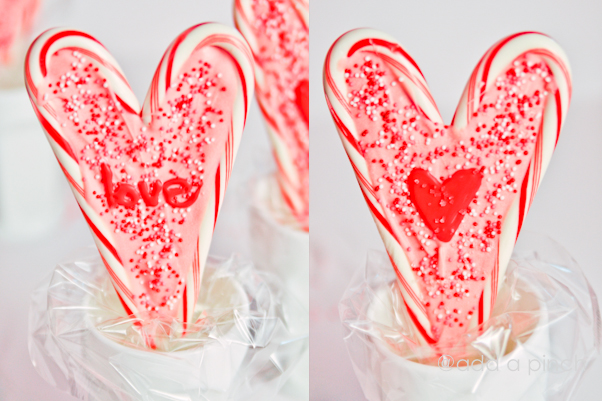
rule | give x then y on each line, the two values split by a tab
448	200
277	31
149	181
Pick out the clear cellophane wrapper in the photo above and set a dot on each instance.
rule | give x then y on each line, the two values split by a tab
543	335
248	335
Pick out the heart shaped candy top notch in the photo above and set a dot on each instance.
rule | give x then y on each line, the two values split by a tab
149	182
448	200
278	34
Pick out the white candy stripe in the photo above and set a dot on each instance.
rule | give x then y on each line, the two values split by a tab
210	34
487	70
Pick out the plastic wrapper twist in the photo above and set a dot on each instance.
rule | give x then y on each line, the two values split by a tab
543	335
248	334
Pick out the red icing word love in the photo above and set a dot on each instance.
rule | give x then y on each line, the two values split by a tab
127	196
302	99
443	206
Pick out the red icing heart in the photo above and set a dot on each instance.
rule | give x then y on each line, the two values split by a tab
149	182
443	206
302	99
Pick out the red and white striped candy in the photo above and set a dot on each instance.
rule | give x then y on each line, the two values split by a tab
149	181
448	200
277	31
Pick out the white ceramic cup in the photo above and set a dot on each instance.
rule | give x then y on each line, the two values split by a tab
284	251
518	375
32	190
211	368
277	247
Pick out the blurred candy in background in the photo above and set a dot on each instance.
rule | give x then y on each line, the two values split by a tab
31	189
17	19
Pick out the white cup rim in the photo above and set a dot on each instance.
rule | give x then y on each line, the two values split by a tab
125	349
539	333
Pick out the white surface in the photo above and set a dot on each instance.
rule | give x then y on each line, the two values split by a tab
136	32
447	39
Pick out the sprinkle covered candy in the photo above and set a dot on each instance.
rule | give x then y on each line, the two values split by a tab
149	182
449	200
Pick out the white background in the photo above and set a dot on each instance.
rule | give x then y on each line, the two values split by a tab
446	39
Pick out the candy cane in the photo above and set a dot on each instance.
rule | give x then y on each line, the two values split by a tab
277	31
149	181
435	191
